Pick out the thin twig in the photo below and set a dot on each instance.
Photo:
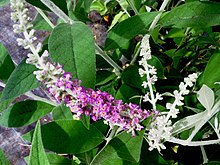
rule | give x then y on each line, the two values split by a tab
45	17
133	7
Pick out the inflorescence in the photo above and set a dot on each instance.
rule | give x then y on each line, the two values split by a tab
59	84
96	104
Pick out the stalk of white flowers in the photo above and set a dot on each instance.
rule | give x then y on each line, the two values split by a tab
48	72
148	70
23	25
160	128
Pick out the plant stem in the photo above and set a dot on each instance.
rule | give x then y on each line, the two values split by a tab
45	17
153	102
135	56
111	135
66	19
108	139
153	24
33	96
193	143
133	7
205	158
100	52
156	19
151	28
57	11
123	8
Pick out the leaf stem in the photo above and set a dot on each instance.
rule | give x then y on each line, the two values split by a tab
135	56
103	54
45	17
205	158
33	96
108	139
193	143
156	19
133	7
111	135
123	8
57	11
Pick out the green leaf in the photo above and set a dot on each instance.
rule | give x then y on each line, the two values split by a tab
62	112
5	104
87	5
55	159
211	74
154	61
61	4
86	121
37	154
21	80
69	136
176	33
137	4
131	77
5	62
194	14
104	77
125	93
206	97
99	6
24	113
4	2
86	157
151	157
212	163
101	126
73	47
110	88
39	23
3	159
123	149
116	19
122	33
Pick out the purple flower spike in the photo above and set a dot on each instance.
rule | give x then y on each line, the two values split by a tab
96	104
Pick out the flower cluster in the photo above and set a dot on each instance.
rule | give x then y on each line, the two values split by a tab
160	128
23	25
148	70
97	104
160	131
20	16
178	95
101	105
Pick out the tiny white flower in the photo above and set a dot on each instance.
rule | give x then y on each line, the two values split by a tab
142	72
188	82
153	71
153	79
178	97
193	77
144	84
159	96
146	98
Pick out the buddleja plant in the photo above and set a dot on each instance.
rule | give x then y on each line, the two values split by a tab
112	114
